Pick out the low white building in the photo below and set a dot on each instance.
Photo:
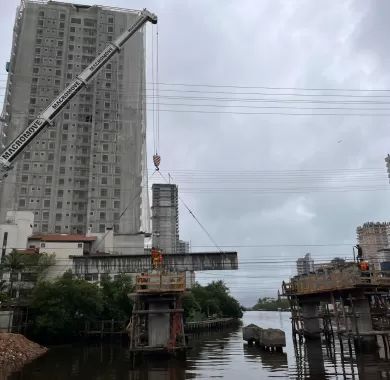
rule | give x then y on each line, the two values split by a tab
62	246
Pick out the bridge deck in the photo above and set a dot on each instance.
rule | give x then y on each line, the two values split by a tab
140	263
343	278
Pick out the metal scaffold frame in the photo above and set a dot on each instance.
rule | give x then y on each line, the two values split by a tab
339	307
166	289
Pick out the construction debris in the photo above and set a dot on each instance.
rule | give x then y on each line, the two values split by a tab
16	351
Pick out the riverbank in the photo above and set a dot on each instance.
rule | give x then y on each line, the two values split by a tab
16	351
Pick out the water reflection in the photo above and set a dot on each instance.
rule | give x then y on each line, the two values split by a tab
214	355
271	361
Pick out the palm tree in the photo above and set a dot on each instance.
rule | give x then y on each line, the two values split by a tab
13	263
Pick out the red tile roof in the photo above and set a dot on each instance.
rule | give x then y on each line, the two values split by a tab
62	237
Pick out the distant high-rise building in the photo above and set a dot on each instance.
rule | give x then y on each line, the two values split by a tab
387	159
165	217
87	171
305	264
183	246
373	237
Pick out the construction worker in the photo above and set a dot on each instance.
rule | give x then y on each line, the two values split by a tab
143	280
359	252
157	258
363	266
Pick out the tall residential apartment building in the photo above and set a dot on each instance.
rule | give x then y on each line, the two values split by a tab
87	171
305	264
165	217
373	237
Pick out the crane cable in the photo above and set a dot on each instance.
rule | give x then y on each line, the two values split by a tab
195	217
156	106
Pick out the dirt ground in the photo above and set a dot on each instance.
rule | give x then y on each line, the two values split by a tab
15	351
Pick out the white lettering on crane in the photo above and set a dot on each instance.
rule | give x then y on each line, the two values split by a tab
23	138
106	52
66	94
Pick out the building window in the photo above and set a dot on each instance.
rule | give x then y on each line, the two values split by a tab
46	203
22	203
80	245
103	204
102	227
43	245
104	180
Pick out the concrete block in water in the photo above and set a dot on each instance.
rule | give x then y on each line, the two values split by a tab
270	338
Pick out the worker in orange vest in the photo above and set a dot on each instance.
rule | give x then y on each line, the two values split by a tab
157	258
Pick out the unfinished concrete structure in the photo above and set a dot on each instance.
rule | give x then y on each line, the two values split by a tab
157	317
305	264
373	237
341	301
87	171
98	265
165	217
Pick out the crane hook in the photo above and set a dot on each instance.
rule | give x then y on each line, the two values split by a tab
157	161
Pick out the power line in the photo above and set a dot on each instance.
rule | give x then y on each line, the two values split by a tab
195	218
245	87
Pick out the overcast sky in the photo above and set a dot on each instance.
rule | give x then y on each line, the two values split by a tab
266	178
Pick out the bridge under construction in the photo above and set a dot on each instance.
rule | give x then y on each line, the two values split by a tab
342	301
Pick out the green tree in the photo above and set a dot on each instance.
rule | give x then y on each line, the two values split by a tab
271	304
115	295
211	300
3	292
16	262
60	308
12	263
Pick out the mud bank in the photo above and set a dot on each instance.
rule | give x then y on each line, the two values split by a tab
16	351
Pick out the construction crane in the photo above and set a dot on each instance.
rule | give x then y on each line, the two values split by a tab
47	116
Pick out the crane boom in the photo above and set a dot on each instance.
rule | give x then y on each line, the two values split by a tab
46	117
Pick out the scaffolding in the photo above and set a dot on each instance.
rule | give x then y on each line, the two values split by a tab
349	304
156	324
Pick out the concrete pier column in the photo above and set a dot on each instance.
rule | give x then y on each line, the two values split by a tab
311	322
362	322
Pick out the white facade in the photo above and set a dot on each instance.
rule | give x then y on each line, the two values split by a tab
16	230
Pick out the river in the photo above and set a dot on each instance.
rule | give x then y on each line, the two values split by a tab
215	355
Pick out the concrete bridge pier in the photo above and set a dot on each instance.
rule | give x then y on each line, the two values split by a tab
362	322
311	321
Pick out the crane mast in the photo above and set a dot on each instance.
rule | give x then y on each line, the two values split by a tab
46	117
